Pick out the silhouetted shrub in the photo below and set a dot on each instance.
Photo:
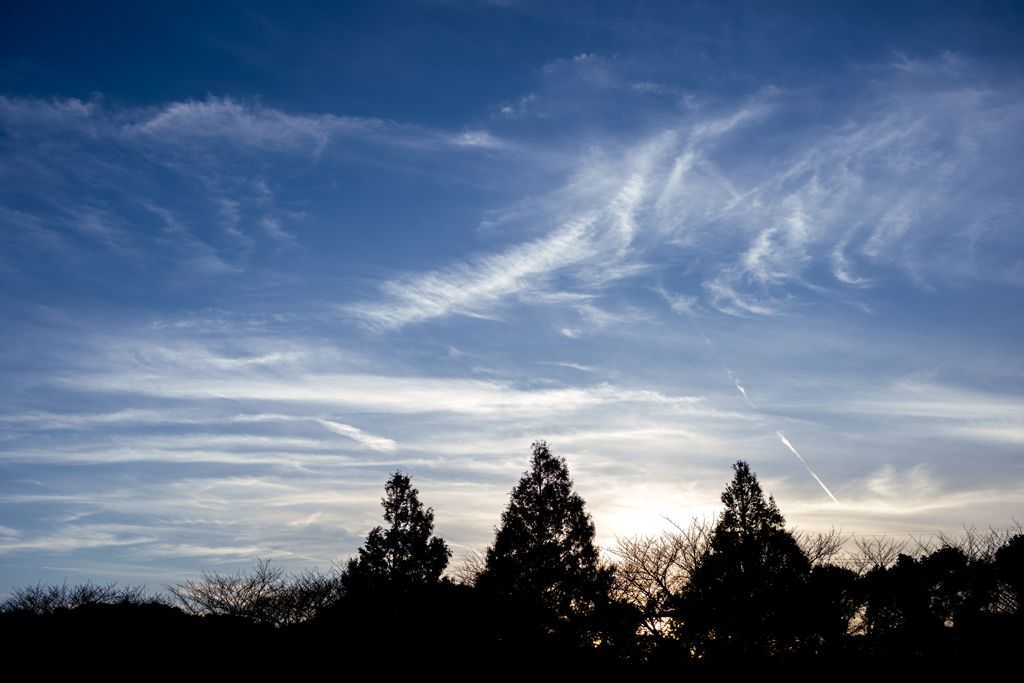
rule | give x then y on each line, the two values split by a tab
45	598
265	595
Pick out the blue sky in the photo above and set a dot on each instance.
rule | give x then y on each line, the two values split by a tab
257	257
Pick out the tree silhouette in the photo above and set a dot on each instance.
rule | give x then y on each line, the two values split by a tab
266	594
1009	562
543	555
748	595
652	570
404	555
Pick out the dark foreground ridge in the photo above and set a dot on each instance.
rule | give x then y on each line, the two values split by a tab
739	593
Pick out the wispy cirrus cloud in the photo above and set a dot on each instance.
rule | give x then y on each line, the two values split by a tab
904	186
249	124
378	443
380	393
256	126
197	182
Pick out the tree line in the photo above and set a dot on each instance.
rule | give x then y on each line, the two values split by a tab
741	587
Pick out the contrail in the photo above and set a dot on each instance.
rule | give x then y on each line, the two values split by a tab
727	370
737	383
743	391
786	441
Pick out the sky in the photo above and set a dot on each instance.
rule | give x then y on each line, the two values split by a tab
256	257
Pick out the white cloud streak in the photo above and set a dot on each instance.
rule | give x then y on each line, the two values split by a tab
378	443
818	479
385	394
592	246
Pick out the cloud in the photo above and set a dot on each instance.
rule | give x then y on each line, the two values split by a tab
30	113
253	125
84	169
600	318
378	443
575	366
679	303
517	108
593	247
933	400
653	88
77	537
905	184
378	393
476	138
996	431
273	227
473	288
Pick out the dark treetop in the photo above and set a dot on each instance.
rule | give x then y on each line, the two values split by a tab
406	554
543	553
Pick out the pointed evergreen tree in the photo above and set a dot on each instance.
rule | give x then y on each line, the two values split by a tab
543	555
747	596
404	555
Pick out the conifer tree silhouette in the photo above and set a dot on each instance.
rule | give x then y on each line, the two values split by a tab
543	555
404	555
747	596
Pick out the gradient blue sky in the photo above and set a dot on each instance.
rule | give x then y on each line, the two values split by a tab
257	256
